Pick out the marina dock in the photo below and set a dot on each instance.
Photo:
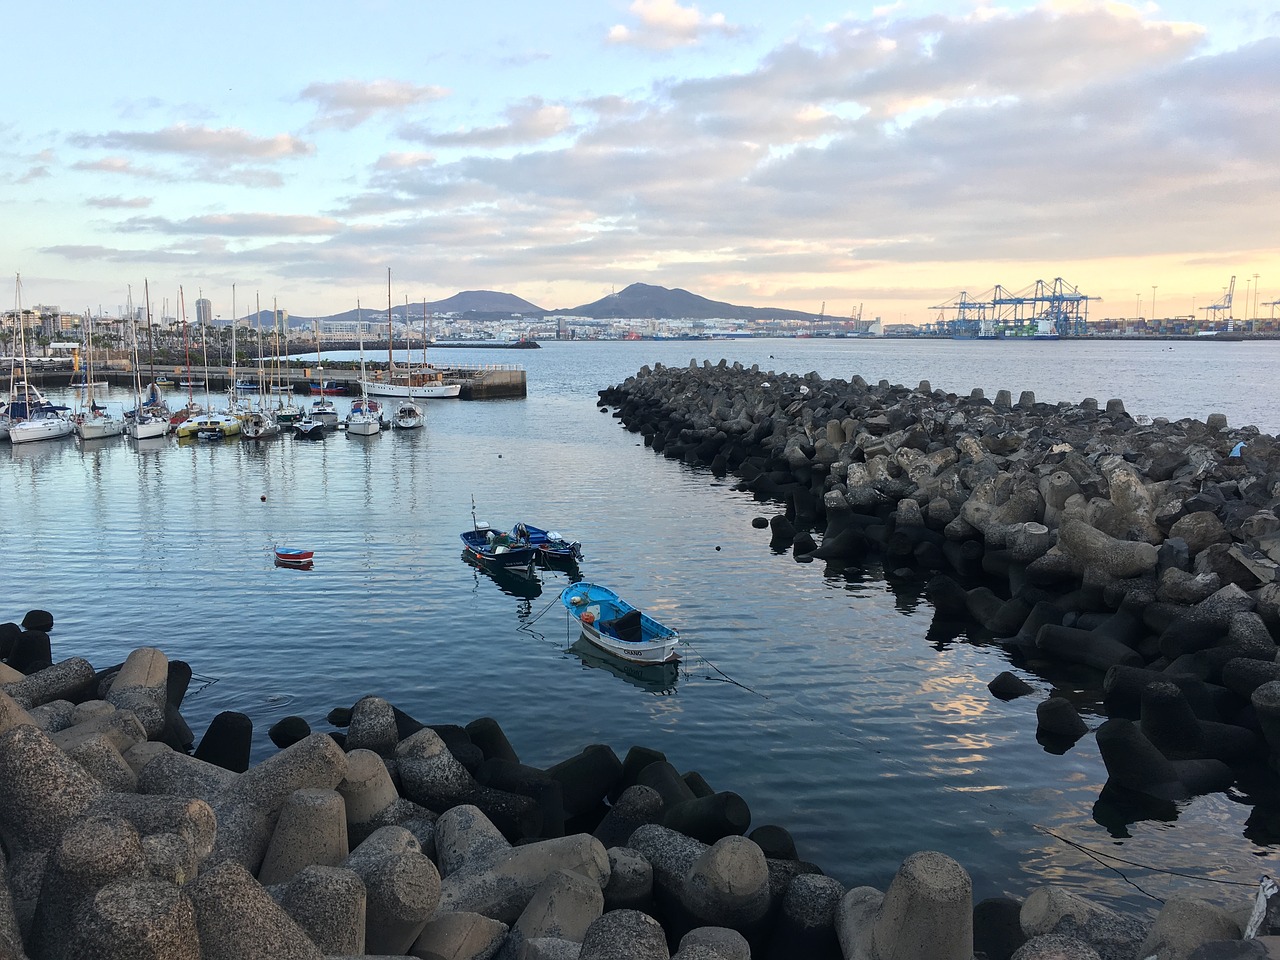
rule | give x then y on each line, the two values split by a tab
497	381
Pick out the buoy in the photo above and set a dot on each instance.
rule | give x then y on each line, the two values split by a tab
263	498
717	548
588	617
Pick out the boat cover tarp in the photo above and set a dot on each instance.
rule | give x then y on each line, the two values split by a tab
625	627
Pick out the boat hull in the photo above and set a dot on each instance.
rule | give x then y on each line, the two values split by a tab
363	426
95	428
40	428
555	548
498	551
147	428
258	426
403	391
308	429
213	425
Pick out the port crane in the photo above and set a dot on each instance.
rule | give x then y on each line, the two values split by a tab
1057	308
1214	311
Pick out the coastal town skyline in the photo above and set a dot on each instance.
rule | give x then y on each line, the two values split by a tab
877	160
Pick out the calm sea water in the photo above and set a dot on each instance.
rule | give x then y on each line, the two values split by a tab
829	699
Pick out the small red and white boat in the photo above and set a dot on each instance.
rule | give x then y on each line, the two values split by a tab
289	557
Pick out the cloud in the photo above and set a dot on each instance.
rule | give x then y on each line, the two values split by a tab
34	173
530	121
119	203
227	144
874	155
1062	132
345	104
402	160
237	225
118	165
665	24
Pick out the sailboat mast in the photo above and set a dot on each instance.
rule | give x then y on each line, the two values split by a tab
204	347
275	361
232	391
391	360
88	361
186	346
151	344
22	338
262	376
13	358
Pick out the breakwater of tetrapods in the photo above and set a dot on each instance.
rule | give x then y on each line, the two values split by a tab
1122	546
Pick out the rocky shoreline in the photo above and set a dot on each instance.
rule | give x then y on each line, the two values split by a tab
387	837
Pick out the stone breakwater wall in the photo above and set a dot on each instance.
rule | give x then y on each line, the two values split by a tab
1145	550
391	838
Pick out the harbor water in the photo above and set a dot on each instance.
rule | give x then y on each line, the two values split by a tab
831	700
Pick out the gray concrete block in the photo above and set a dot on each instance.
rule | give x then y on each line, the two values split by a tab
42	790
927	914
310	831
238	920
62	681
329	904
465	836
403	888
91	853
138	919
373	727
503	888
625	935
459	936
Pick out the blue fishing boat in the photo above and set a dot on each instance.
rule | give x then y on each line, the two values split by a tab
497	550
617	627
553	547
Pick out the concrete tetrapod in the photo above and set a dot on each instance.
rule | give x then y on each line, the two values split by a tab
926	914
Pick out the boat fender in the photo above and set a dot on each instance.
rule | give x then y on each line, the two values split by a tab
588	617
578	601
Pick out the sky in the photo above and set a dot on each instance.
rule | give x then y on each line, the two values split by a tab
820	156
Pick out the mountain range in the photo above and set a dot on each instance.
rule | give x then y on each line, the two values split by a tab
639	300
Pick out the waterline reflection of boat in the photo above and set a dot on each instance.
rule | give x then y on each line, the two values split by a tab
651	677
521	582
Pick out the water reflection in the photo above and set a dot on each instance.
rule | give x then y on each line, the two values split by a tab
659	678
521	582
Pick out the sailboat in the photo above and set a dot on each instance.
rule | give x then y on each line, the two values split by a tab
365	418
95	422
425	384
212	424
31	416
192	409
287	412
260	423
322	408
153	403
409	414
145	423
